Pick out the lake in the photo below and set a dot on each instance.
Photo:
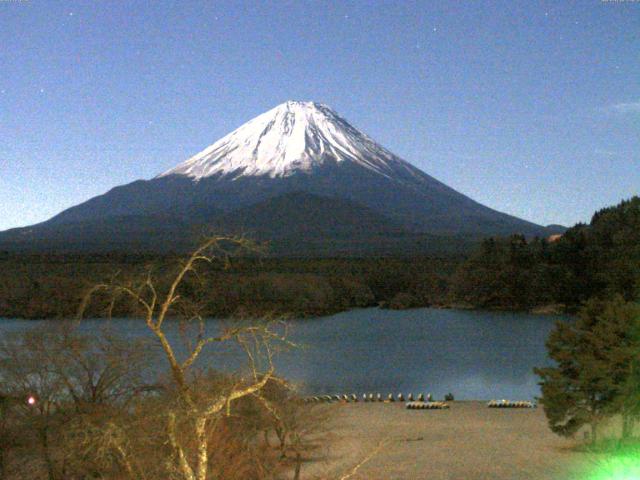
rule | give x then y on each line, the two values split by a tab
472	354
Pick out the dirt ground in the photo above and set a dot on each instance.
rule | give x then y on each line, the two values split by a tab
467	442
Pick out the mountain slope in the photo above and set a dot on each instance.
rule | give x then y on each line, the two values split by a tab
303	224
297	147
293	224
300	214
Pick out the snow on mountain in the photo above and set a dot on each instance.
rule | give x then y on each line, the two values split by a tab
292	137
297	173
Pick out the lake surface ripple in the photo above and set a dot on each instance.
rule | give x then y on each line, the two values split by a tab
473	354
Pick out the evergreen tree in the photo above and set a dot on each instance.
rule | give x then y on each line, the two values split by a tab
593	377
602	258
624	323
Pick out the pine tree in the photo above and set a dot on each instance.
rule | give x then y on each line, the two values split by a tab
593	376
622	321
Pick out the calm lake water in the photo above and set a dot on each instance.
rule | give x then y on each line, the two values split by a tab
473	354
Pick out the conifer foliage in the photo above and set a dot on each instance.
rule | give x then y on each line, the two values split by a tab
595	373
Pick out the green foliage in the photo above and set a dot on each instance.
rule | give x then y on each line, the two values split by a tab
402	300
593	372
599	259
50	286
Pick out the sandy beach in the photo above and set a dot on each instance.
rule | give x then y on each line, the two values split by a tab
467	441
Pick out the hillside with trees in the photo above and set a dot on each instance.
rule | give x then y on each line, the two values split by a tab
598	259
51	286
594	260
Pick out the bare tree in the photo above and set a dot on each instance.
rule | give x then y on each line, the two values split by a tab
100	411
196	411
24	376
56	383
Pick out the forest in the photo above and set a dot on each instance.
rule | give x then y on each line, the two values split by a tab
601	258
52	286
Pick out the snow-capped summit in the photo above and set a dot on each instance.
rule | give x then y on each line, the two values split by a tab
292	137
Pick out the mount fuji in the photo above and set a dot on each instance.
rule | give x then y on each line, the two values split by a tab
298	175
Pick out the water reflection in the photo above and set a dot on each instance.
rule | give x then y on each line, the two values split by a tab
475	355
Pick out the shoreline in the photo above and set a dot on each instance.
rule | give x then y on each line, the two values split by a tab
469	440
543	310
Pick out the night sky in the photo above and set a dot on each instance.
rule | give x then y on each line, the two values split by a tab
532	108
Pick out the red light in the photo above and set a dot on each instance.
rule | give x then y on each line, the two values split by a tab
31	400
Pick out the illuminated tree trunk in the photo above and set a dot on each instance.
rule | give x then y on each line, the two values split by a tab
203	457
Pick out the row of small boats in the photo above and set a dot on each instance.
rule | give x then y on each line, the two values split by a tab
418	402
510	404
369	397
427	405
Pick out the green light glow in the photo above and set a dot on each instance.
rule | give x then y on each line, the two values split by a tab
618	467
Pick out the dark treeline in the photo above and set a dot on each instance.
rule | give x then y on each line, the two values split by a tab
50	286
601	259
588	261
